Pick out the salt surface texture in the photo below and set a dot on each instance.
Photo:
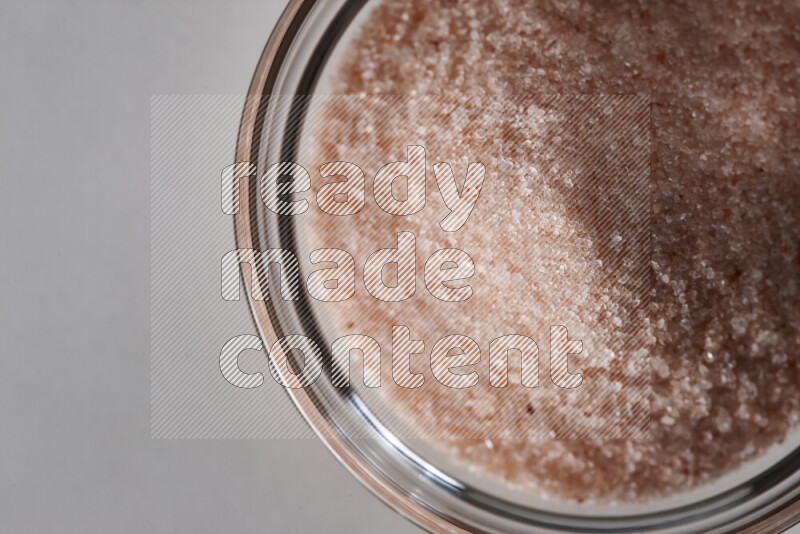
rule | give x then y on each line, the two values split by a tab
723	77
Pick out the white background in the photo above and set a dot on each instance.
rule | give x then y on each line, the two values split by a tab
75	451
75	448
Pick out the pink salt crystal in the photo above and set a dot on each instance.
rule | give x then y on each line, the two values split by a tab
725	193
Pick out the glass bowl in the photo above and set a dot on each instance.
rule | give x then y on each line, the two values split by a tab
399	471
